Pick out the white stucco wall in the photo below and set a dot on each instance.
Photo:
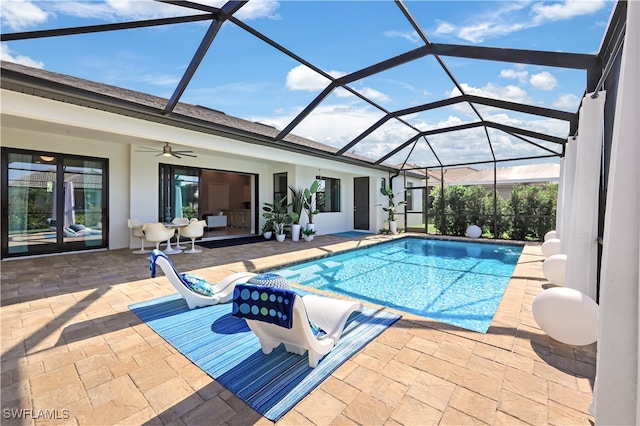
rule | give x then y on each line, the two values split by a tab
34	123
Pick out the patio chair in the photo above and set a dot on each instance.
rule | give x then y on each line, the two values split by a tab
181	222
194	230
309	323
136	230
194	290
157	233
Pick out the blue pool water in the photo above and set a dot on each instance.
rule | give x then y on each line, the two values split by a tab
458	283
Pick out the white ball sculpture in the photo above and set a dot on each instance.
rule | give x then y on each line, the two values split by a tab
473	231
550	235
551	247
567	315
554	268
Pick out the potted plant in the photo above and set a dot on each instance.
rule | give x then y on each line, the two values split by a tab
309	203
308	233
276	212
297	204
267	229
391	208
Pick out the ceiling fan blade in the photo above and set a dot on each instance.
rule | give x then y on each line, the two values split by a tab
175	155
188	155
147	149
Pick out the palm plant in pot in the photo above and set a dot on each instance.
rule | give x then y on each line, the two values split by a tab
308	233
267	229
297	204
309	203
276	212
391	207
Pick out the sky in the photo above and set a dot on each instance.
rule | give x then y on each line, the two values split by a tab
244	77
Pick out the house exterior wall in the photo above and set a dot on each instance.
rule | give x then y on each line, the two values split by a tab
30	122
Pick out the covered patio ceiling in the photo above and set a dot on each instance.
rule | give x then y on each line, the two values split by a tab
462	126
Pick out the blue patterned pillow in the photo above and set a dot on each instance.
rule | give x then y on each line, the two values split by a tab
197	284
270	280
317	331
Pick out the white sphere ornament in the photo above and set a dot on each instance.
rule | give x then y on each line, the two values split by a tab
554	268
550	235
567	315
551	247
473	231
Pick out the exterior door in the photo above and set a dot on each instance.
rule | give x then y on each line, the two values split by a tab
361	203
52	203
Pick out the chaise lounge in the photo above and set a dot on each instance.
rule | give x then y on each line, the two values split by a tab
194	290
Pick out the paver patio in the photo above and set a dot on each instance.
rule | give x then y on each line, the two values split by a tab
72	348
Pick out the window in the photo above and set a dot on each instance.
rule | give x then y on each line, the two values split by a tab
328	196
409	193
279	185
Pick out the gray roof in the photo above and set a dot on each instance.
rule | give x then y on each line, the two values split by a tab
69	89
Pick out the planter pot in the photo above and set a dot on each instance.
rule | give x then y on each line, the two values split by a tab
280	237
393	226
308	238
295	232
311	226
267	235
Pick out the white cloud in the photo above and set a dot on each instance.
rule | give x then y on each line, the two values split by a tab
543	81
20	14
7	55
567	101
479	32
368	92
567	10
444	28
508	93
520	75
501	21
304	78
412	36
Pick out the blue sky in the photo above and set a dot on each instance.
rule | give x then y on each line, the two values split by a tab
244	77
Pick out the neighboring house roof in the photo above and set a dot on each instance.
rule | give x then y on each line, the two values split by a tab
530	173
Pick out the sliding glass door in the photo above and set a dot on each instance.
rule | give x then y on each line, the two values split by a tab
52	203
179	192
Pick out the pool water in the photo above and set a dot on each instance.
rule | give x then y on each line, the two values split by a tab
458	283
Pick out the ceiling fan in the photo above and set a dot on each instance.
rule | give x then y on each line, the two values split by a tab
166	151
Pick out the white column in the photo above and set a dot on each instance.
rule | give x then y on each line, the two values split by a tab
616	397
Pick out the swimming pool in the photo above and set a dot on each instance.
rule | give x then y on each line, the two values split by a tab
458	283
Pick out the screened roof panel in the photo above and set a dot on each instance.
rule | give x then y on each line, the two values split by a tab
508	146
338	119
417	154
354	42
383	139
462	146
454	71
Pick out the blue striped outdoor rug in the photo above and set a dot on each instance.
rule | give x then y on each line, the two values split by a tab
225	348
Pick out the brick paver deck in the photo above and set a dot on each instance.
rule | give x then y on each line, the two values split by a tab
71	349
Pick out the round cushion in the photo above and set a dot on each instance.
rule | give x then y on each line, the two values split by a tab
270	280
567	315
551	247
474	231
554	268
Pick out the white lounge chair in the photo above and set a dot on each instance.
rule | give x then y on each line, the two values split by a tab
221	292
277	316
